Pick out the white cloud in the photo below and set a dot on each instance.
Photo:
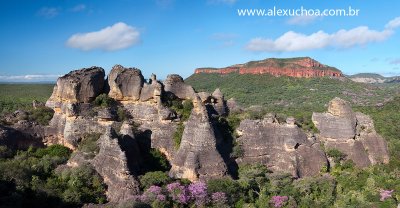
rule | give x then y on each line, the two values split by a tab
393	24
302	20
29	77
115	37
48	12
292	41
78	8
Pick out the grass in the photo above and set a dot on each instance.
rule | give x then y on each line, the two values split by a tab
20	96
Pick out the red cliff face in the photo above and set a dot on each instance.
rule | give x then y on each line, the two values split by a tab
296	67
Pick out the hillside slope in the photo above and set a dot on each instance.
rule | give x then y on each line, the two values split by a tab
282	94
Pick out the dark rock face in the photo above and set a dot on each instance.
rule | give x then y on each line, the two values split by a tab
82	85
111	163
197	157
125	83
351	133
281	147
17	139
175	84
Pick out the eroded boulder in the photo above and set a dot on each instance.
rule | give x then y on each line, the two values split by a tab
351	133
175	84
125	83
82	85
281	147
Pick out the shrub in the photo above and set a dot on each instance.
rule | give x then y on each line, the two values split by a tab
56	150
182	108
230	187
178	135
89	144
82	185
336	154
155	161
157	178
42	115
104	101
237	150
6	152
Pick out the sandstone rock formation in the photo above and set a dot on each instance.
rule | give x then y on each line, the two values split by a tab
293	67
281	147
78	86
351	133
175	84
125	83
111	163
338	123
219	102
197	157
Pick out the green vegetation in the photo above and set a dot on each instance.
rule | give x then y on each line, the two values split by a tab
297	97
157	178
336	155
42	115
89	146
29	179
20	96
178	135
104	101
155	161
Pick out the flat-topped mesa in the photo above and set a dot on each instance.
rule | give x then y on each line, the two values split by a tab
293	67
79	86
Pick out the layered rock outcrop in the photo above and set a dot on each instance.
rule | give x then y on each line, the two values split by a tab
111	163
351	133
79	86
281	147
293	67
197	157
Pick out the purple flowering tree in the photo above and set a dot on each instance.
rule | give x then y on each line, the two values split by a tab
279	201
198	192
178	193
153	194
385	194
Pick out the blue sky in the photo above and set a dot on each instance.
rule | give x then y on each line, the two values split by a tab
42	39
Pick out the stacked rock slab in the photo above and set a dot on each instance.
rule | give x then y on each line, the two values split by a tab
111	164
142	101
281	147
78	86
71	97
351	133
197	157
